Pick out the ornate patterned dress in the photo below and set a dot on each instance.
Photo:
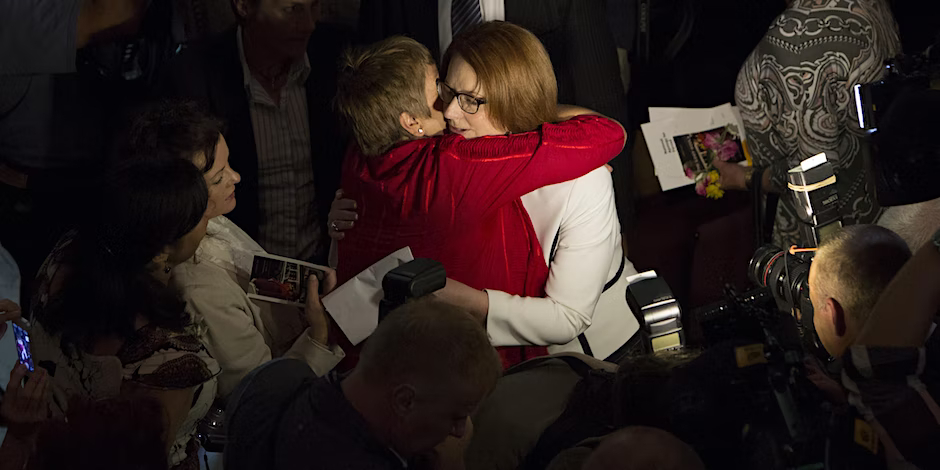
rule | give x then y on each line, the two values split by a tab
152	358
796	99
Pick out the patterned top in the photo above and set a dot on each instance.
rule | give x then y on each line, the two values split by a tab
796	99
286	191
152	358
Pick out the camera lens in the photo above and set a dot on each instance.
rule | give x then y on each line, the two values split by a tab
763	261
785	275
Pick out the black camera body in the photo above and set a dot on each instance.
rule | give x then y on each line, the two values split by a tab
785	416
413	279
899	114
902	73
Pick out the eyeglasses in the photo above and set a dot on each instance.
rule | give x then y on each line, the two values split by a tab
469	103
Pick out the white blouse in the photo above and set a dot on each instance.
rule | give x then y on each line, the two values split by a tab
238	332
588	255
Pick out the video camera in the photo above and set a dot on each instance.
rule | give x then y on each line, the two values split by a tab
902	74
899	114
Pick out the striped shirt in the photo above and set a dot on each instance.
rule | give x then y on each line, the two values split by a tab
286	194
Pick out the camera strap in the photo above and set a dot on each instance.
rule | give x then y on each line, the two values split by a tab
764	209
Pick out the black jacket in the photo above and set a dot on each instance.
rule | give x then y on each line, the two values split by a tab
212	73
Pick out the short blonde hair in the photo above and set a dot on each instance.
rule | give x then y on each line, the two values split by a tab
513	67
855	264
376	84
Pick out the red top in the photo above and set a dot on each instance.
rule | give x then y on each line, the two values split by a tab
457	201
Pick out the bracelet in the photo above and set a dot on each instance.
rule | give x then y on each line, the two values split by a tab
749	176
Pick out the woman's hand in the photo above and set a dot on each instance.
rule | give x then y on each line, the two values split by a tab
9	311
567	111
733	176
26	405
314	311
342	216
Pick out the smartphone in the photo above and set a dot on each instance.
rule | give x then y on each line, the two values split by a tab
22	347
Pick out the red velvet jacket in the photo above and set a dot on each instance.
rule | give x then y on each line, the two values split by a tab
457	201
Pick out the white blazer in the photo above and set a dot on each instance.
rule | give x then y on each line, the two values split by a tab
588	257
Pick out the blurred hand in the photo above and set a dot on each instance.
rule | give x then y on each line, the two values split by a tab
827	385
26	405
732	175
314	311
9	311
451	454
462	295
342	216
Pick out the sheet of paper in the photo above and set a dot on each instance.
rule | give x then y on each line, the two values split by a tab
664	154
354	306
667	123
711	115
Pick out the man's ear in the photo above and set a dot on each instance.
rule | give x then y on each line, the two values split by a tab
403	400
837	316
410	124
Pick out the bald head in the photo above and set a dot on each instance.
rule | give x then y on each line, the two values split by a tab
643	448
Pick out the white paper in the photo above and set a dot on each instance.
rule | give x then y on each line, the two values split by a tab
670	122
354	306
711	115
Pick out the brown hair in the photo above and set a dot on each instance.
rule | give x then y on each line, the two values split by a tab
855	264
430	340
376	84
514	69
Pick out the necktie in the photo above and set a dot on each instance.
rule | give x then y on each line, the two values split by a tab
464	13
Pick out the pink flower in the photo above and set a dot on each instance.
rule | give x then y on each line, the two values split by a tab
689	173
727	150
700	188
712	140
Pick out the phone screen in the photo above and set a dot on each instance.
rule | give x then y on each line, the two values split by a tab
23	352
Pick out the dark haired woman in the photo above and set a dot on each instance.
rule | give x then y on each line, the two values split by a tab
239	333
106	323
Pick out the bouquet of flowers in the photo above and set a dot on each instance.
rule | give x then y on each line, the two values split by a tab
699	150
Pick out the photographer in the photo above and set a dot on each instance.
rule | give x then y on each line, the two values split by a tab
892	371
841	302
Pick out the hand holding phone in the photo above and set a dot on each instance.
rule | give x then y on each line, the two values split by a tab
26	402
